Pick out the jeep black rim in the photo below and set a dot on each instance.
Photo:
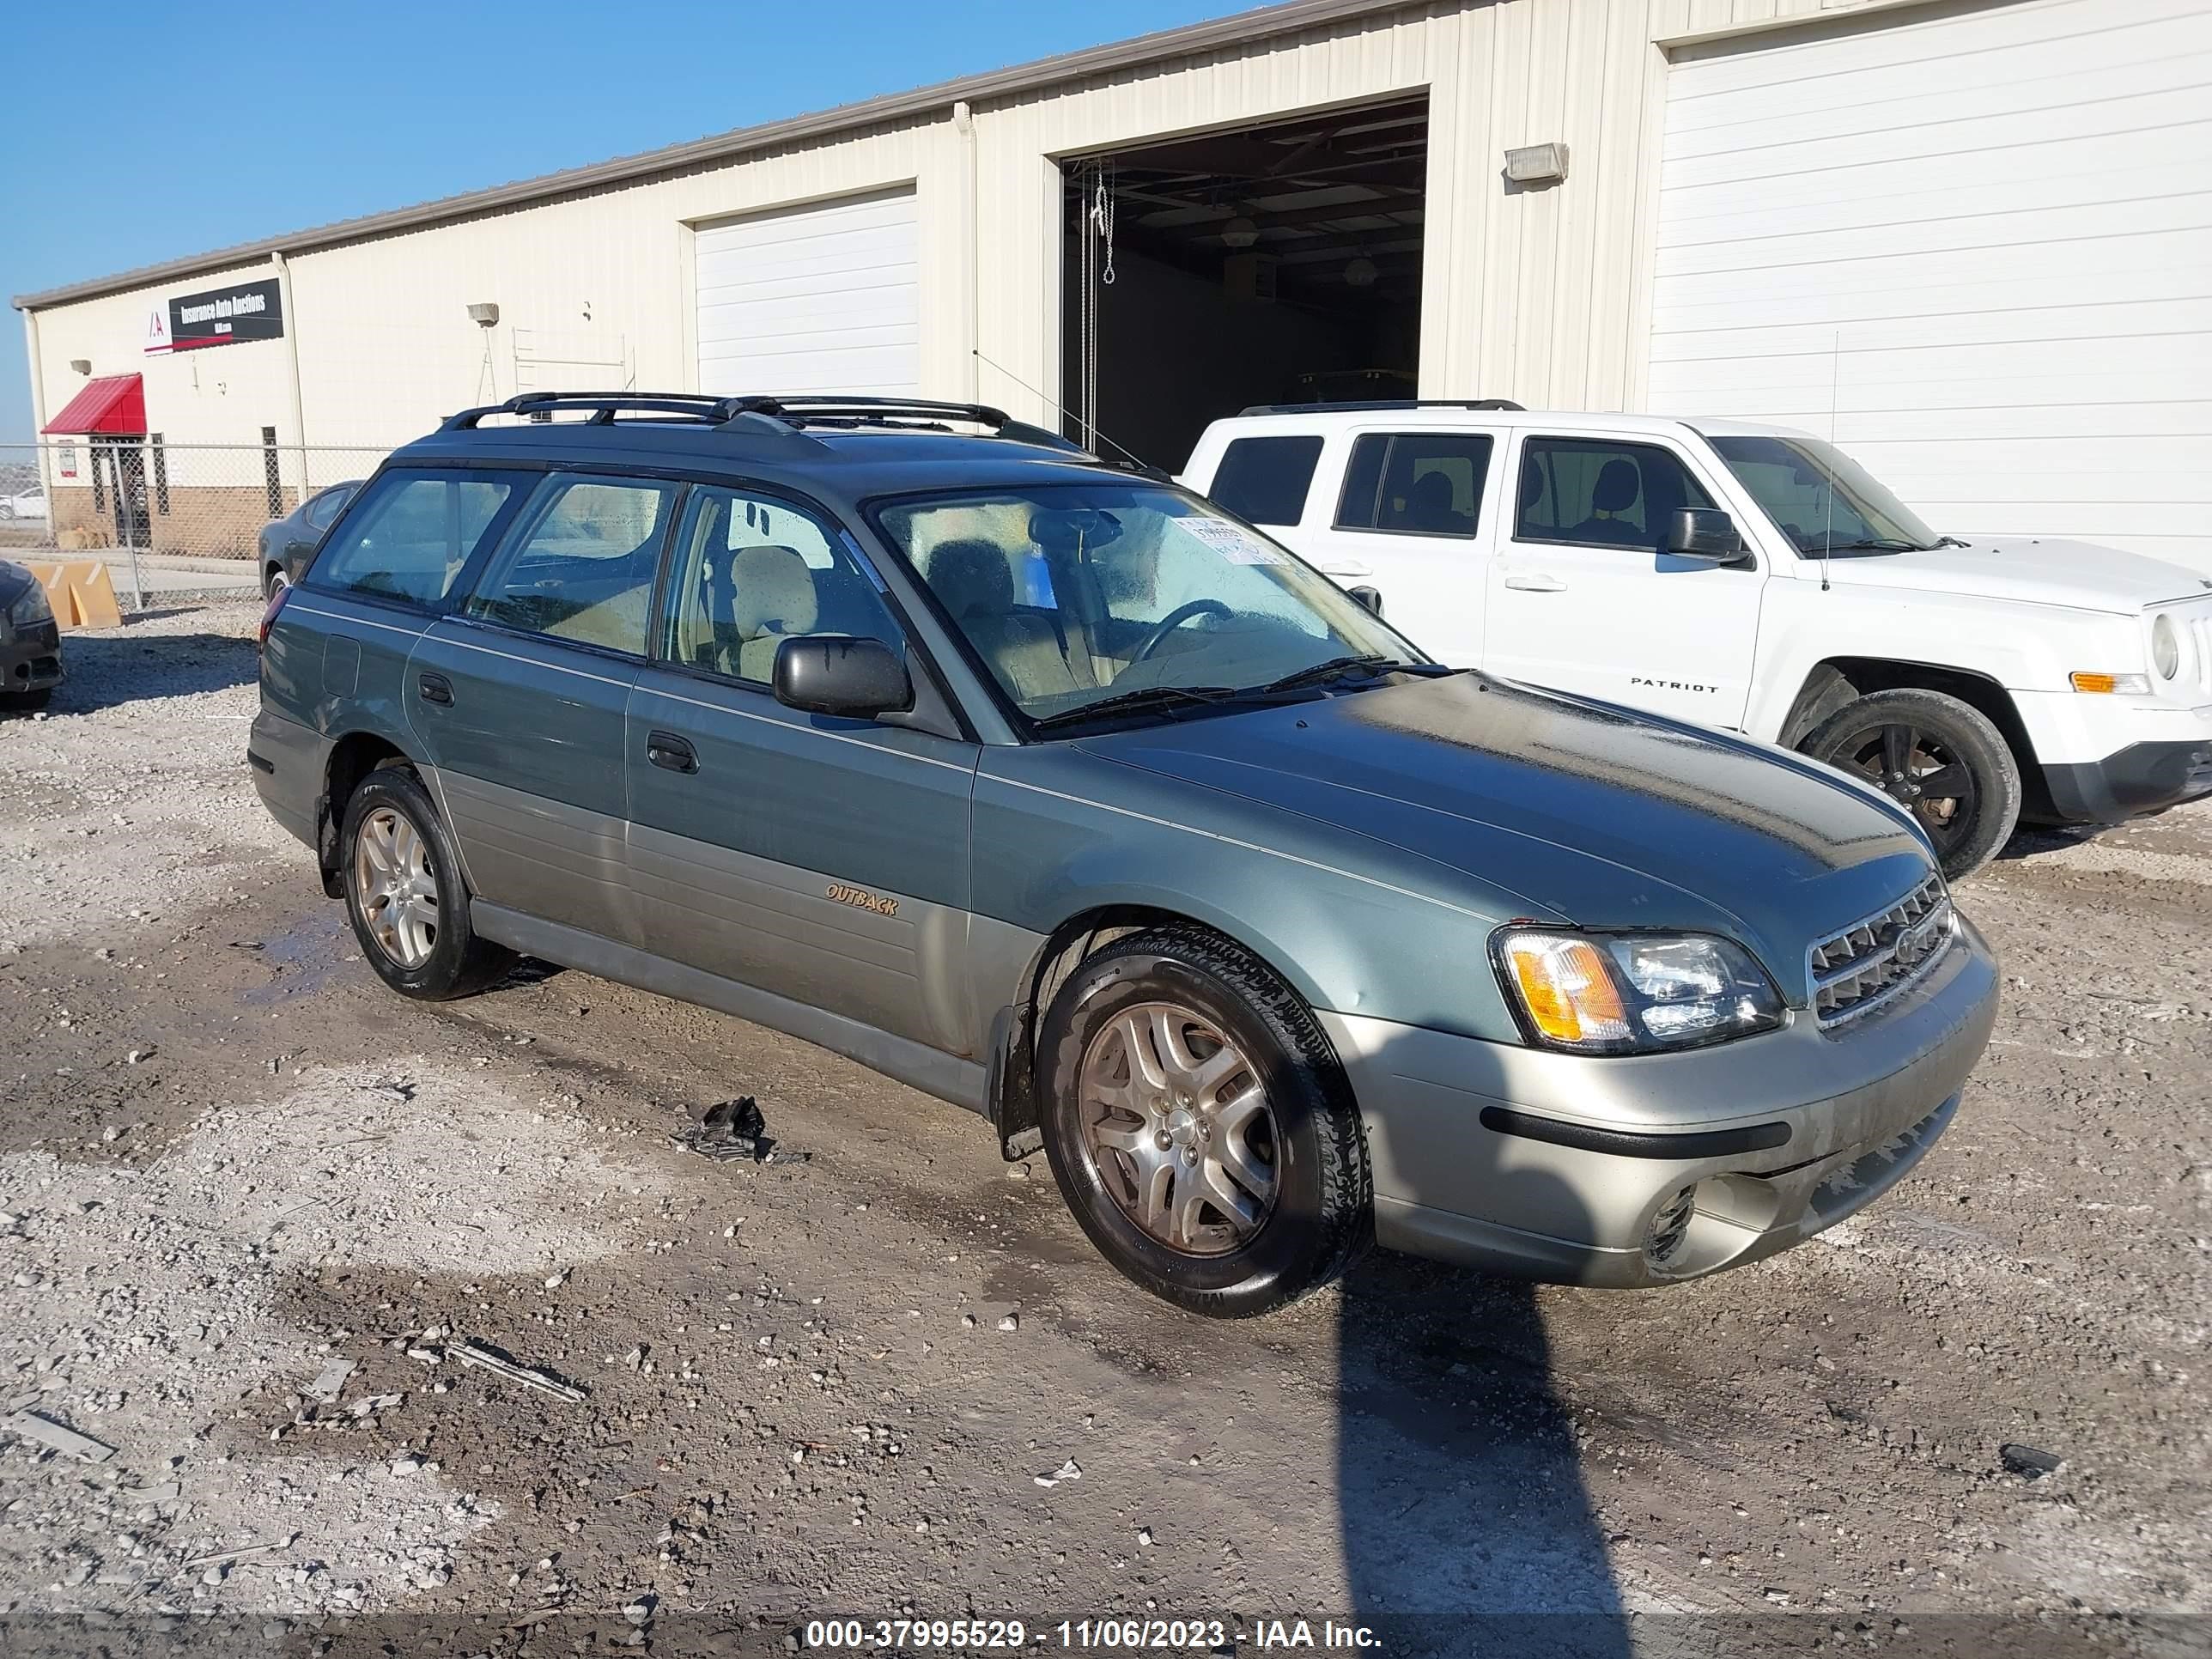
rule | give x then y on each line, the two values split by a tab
1918	768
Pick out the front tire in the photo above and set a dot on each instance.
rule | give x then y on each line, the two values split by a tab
1199	1126
272	579
25	702
1939	757
404	896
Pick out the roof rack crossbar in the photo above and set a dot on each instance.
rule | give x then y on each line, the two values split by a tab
1383	403
602	404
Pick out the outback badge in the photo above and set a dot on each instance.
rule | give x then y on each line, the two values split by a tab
865	900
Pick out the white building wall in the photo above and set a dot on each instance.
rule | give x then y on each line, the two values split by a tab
1541	295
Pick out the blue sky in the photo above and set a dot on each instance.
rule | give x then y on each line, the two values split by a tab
206	126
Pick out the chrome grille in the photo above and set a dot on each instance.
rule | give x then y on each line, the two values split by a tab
1864	966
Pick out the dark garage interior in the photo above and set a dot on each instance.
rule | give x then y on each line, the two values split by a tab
1280	264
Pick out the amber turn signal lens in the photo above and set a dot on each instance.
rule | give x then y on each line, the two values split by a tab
2081	680
1570	997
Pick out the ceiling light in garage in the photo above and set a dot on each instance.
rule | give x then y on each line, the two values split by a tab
1361	272
1239	232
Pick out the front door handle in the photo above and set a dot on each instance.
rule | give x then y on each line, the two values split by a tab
670	753
1537	584
436	688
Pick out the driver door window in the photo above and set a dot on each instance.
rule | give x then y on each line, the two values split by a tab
1596	493
751	571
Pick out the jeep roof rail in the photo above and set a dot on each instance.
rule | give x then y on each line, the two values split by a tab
1380	404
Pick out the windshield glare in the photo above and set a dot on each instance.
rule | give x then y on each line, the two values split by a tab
1822	499
1070	594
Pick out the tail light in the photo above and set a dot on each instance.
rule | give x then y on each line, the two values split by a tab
268	614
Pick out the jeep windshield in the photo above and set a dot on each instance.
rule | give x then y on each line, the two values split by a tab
1823	500
1134	601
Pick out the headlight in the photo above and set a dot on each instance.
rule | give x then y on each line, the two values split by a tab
2164	648
29	606
1618	994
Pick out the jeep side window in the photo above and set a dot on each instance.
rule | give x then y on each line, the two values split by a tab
580	564
1265	480
1415	483
1596	493
413	534
752	571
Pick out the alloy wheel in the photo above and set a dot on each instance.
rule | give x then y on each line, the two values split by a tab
1176	1121
1921	770
397	887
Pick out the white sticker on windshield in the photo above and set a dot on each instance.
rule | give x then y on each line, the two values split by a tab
1233	542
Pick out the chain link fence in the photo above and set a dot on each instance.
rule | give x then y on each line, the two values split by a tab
207	501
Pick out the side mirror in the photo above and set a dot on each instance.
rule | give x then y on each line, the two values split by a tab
1369	599
1704	534
839	674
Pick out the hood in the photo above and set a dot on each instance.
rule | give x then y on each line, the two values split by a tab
1562	809
2034	570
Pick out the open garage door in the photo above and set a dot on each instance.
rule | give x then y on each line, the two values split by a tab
813	299
1983	239
1277	263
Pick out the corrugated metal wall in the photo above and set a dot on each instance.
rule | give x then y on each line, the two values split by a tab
1541	294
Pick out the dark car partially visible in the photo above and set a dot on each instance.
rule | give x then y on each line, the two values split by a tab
30	641
287	544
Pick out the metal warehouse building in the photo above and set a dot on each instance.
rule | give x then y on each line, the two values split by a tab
1972	239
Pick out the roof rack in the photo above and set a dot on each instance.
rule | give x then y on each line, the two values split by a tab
684	405
1381	404
791	413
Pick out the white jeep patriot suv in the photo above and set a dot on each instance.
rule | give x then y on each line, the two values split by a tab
1754	577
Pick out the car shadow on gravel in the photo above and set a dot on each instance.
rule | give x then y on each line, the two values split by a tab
1467	1525
110	669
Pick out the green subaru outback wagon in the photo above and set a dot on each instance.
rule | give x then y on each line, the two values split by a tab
1052	790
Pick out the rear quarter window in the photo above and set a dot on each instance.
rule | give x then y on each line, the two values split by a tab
1265	480
411	534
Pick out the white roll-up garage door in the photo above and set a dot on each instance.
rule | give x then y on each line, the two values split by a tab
813	299
1983	238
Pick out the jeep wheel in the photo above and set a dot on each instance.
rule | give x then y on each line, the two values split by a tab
1937	756
1198	1126
404	896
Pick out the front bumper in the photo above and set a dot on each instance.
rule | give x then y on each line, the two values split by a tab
1557	1167
30	657
2143	777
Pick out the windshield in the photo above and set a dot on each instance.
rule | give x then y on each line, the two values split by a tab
1070	594
1823	500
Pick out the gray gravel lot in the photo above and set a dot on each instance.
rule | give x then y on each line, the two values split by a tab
228	1156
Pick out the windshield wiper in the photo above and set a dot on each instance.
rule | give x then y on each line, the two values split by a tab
1945	541
1131	702
1873	544
1335	668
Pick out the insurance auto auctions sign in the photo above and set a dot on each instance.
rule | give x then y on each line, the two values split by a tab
223	316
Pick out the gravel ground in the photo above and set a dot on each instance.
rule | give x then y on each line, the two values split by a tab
850	1383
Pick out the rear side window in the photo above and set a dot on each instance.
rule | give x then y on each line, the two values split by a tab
1596	493
1265	480
325	507
579	563
1415	483
413	533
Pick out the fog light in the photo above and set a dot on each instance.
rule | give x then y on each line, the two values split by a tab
1671	1227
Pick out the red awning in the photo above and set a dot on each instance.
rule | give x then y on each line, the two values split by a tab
114	403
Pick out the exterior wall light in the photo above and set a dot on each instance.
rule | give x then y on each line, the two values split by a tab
483	315
1536	164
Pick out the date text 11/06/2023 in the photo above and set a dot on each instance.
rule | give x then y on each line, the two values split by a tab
1087	1635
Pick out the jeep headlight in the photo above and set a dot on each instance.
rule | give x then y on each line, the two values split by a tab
1618	994
2165	647
29	606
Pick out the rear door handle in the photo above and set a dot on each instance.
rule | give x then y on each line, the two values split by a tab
670	753
436	688
1537	584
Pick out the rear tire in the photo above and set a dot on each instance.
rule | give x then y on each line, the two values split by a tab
404	895
1150	1063
1939	757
